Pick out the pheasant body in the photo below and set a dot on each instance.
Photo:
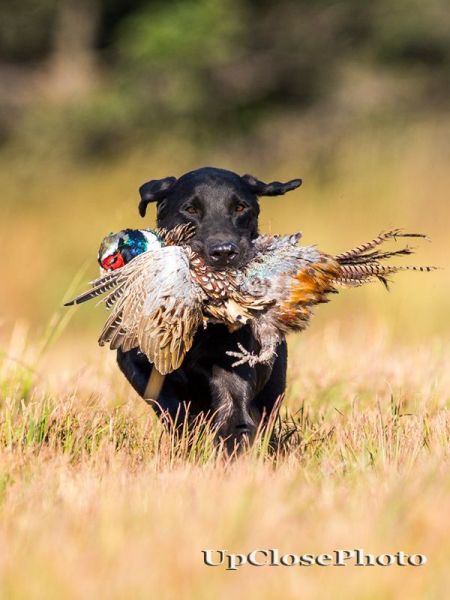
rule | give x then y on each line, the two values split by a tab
293	277
296	278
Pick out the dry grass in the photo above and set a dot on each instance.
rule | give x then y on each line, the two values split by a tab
97	501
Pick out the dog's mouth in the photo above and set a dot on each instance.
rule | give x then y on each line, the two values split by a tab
226	255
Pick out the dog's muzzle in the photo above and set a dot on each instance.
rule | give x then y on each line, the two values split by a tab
223	253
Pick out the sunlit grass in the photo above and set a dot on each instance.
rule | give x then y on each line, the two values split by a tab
97	499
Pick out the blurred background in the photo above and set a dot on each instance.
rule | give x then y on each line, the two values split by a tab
98	96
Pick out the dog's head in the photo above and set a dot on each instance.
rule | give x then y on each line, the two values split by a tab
222	205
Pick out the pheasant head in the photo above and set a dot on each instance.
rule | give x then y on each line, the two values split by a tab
117	249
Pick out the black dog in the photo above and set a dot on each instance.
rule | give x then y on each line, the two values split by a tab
224	208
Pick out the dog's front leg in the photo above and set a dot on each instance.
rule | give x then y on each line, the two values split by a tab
231	395
173	399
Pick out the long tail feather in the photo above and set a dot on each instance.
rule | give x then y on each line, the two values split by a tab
366	272
364	263
374	256
383	237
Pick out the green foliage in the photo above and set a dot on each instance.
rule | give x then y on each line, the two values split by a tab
183	35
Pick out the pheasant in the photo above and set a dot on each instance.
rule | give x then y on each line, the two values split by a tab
161	291
296	278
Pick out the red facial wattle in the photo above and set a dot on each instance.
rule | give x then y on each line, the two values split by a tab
113	262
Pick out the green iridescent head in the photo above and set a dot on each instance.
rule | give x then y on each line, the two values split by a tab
117	249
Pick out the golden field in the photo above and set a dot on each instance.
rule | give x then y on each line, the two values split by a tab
96	500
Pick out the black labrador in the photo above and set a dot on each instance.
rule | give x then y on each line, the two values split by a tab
224	208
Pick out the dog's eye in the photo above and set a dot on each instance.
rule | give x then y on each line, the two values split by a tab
240	207
191	209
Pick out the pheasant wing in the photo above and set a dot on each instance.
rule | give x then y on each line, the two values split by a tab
156	307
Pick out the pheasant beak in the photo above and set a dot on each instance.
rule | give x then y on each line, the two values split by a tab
113	262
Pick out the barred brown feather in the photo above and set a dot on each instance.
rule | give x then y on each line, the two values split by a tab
100	286
380	239
363	273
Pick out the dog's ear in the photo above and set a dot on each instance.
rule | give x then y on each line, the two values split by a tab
154	191
275	188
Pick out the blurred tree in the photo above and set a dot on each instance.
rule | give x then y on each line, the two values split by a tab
124	69
26	30
411	33
73	69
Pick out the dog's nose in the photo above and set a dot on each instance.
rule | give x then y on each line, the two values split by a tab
224	252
